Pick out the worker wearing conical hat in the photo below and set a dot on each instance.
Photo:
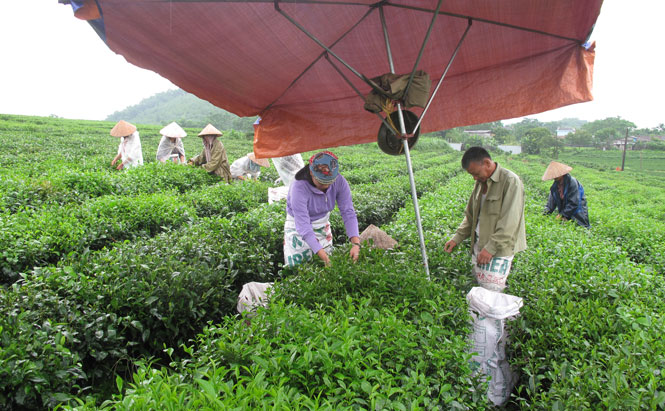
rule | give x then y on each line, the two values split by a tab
213	158
129	150
248	166
566	195
170	146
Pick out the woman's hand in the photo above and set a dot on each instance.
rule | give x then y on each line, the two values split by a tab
354	253
324	256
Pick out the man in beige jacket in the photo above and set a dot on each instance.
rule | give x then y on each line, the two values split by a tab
494	219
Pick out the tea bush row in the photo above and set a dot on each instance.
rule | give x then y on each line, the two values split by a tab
42	237
370	335
588	336
623	208
144	287
116	305
384	281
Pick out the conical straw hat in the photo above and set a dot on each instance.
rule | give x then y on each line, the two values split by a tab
555	170
122	129
263	162
173	130
209	130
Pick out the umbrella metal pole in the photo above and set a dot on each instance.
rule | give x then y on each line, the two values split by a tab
407	153
414	194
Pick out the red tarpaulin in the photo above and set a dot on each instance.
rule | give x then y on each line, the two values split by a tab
520	57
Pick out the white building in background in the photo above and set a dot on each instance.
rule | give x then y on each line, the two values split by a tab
480	133
632	140
562	132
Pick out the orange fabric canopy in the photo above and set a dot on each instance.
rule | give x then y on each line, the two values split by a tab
520	57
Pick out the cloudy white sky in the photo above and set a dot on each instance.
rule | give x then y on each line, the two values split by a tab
53	63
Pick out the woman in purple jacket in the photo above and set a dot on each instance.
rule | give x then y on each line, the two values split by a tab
312	196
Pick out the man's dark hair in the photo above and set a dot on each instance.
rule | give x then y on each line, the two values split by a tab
474	154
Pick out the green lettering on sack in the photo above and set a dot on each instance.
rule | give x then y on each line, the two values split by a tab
296	242
495	264
306	255
504	267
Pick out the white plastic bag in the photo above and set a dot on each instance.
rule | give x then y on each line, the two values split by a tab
277	193
288	166
490	310
253	295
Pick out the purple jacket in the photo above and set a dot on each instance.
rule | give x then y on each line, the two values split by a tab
307	203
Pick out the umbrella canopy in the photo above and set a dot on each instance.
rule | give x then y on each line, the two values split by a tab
296	63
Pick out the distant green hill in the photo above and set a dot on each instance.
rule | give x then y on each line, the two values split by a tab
184	108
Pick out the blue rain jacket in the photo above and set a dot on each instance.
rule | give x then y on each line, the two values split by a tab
573	205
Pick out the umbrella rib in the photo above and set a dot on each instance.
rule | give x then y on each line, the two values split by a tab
383	120
422	50
361	76
450	62
497	23
324	53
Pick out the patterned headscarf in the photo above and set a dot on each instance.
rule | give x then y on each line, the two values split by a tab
324	167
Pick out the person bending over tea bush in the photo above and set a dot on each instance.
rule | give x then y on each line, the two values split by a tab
248	166
312	196
566	195
213	157
170	146
129	150
494	219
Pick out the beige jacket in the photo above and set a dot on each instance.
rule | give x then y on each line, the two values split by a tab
501	230
219	162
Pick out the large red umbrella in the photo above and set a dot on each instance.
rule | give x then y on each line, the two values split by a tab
303	65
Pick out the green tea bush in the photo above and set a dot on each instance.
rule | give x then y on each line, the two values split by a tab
588	334
391	340
226	200
43	237
157	177
132	300
50	329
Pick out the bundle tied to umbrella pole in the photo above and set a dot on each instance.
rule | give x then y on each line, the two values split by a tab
388	107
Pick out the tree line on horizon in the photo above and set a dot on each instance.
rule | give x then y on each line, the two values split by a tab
184	108
533	135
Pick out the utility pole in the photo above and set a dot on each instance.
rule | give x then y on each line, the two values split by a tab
625	144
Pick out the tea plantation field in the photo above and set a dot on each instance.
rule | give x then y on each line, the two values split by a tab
119	287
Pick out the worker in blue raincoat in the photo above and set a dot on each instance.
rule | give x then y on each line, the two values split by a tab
566	195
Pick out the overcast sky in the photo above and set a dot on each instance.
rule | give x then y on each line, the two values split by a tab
53	63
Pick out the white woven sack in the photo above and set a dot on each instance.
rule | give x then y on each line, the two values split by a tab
489	311
253	295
